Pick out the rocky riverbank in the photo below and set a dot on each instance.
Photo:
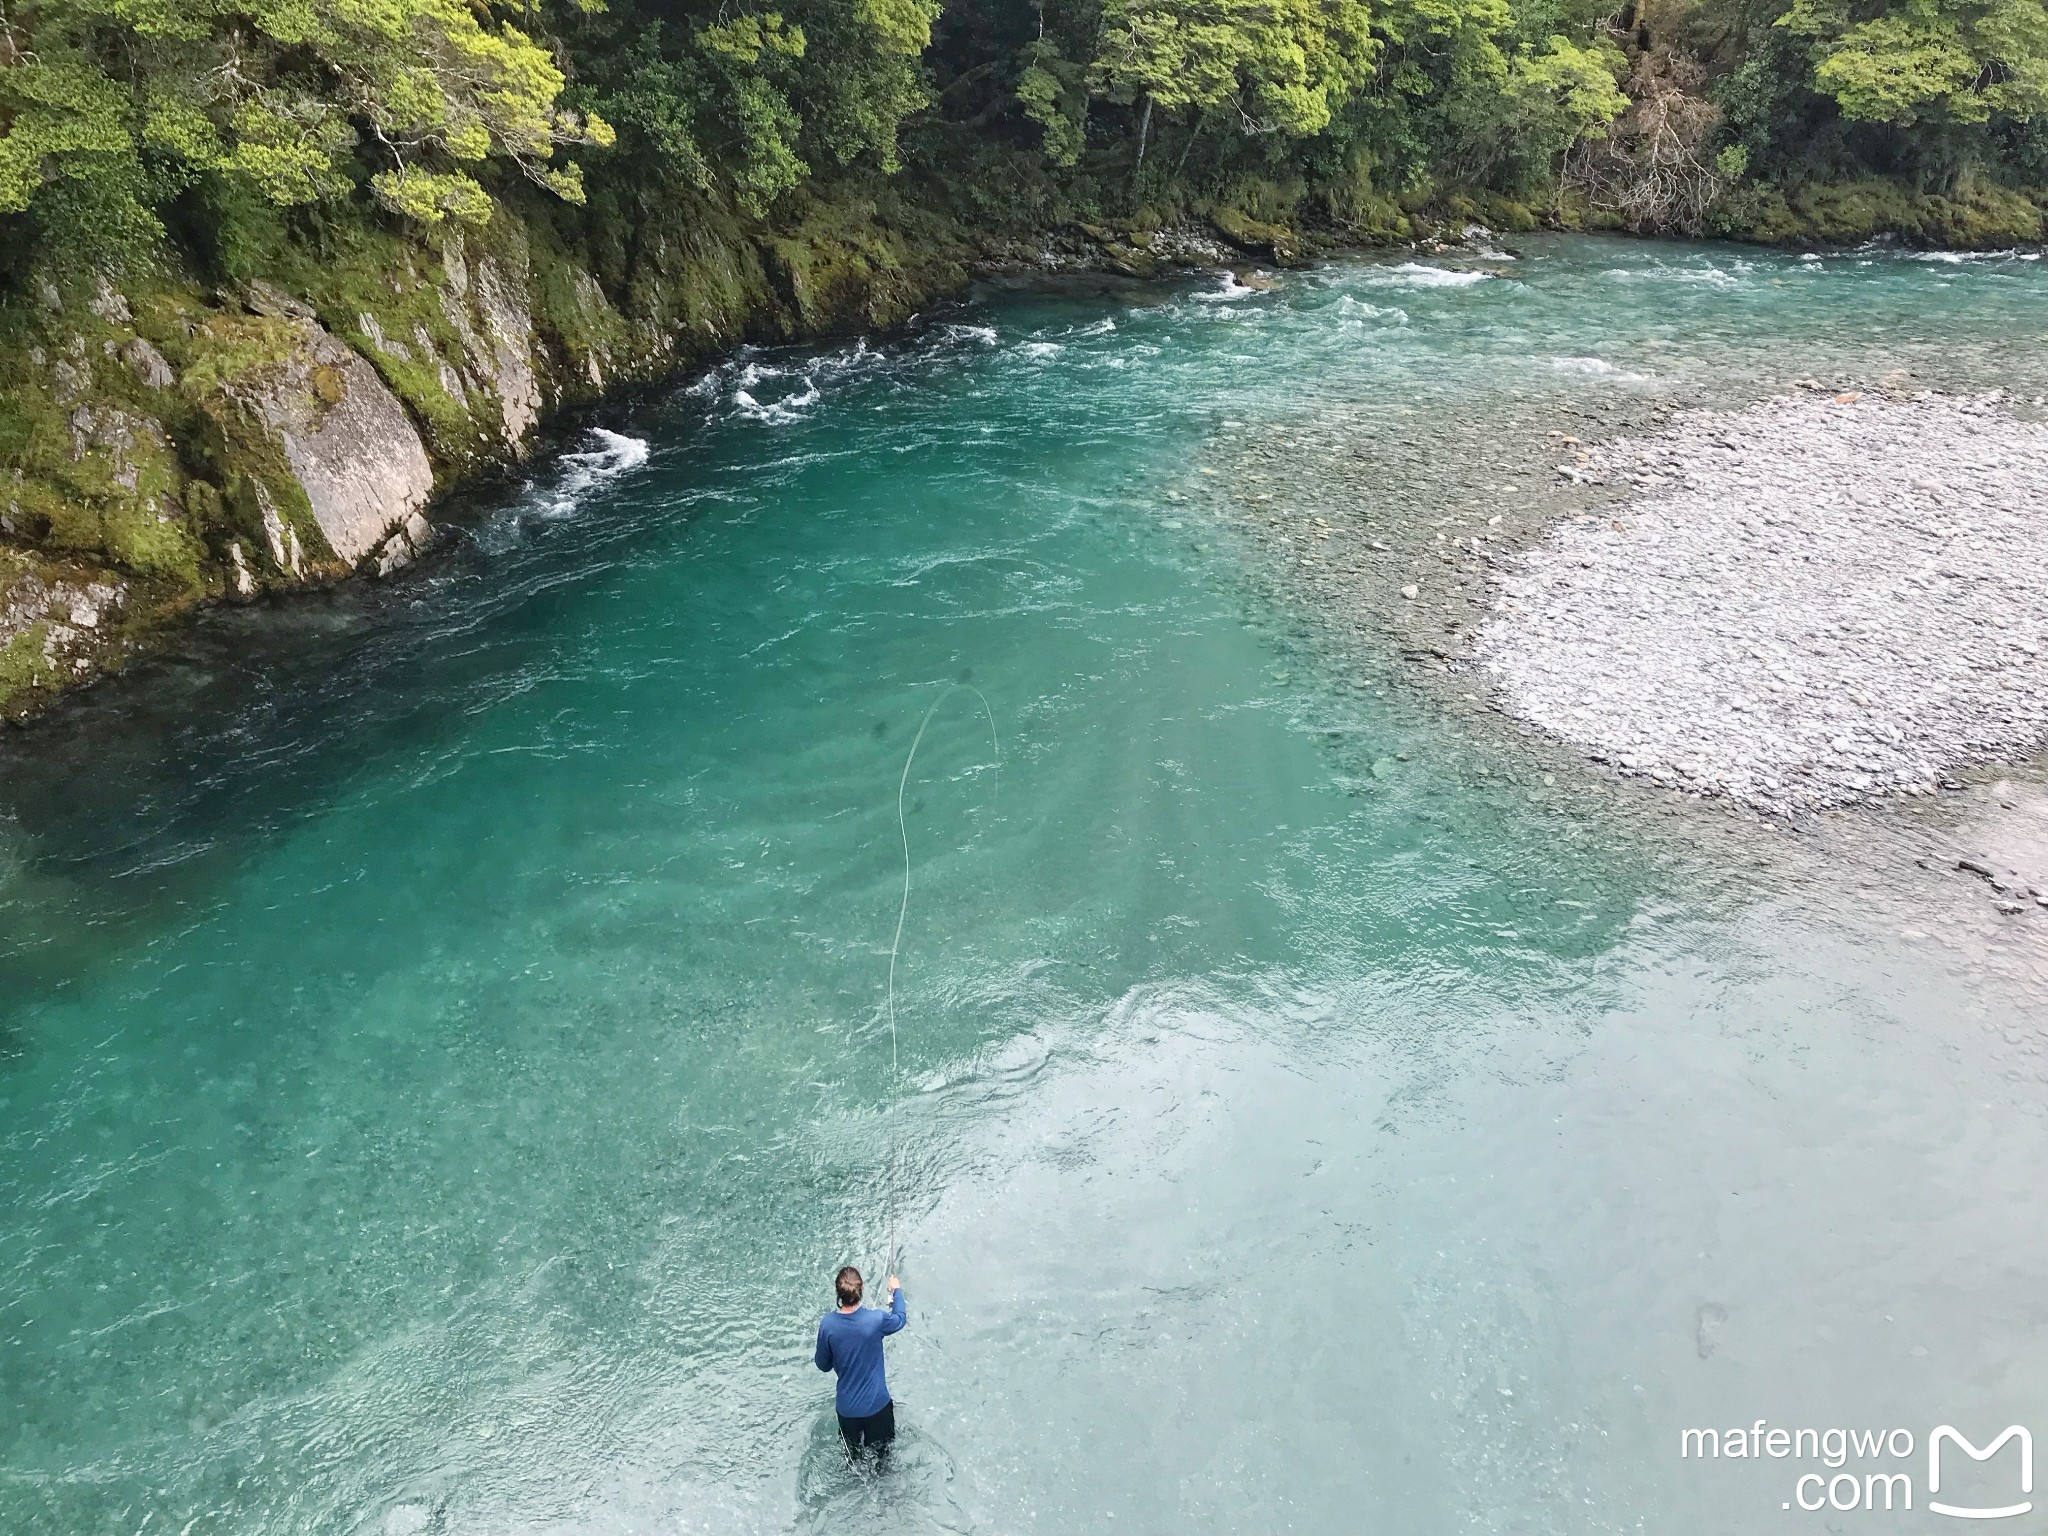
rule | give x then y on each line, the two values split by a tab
169	440
1822	599
166	443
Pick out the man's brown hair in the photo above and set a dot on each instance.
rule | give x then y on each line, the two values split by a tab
848	1284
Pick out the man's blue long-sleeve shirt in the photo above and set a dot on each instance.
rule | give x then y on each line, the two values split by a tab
851	1344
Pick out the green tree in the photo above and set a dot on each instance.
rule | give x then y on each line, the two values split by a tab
1563	92
1512	117
1054	94
753	57
129	101
1908	61
1282	66
863	75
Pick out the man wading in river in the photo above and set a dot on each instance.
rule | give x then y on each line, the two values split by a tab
850	1343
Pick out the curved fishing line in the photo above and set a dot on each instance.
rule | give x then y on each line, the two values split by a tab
903	907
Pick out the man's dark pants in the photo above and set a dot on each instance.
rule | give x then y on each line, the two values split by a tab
875	1429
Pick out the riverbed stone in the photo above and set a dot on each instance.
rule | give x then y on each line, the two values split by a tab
1798	605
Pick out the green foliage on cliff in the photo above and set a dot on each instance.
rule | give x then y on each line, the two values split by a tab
1960	61
1276	66
235	128
112	109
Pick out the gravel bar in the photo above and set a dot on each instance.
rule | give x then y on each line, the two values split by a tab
1819	600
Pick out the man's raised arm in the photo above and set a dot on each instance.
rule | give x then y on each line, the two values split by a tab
897	1315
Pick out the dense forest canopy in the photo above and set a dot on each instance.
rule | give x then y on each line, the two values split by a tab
121	120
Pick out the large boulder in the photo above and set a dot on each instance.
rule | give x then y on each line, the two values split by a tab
312	432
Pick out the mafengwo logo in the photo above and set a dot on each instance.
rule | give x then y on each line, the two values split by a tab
1873	1469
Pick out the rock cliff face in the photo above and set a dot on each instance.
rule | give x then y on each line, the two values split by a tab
349	448
359	460
165	444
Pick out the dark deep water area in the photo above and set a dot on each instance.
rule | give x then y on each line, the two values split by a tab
442	1042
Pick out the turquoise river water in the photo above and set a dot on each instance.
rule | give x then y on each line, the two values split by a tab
442	1047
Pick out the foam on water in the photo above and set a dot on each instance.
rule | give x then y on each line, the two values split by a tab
1711	276
782	389
1355	313
781	412
566	486
1229	290
1959	258
1598	368
1415	274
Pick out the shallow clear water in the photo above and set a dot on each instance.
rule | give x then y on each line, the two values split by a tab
443	1054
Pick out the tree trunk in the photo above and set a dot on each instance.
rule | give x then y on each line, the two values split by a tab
1144	127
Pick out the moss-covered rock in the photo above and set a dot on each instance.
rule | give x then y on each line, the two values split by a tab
88	466
317	457
1971	216
1505	213
1758	214
60	621
1281	244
